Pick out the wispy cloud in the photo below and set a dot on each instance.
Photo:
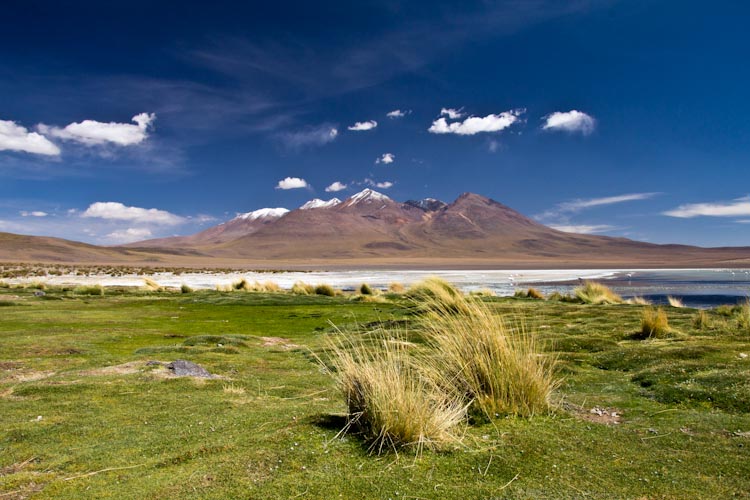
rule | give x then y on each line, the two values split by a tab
397	113
129	235
113	210
583	228
33	213
570	121
386	158
475	125
292	183
14	137
363	126
582	204
379	185
95	133
318	135
739	207
335	187
453	114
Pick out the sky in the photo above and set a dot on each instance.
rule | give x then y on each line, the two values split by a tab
122	121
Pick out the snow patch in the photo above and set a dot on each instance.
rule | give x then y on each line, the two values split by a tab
263	213
318	203
367	196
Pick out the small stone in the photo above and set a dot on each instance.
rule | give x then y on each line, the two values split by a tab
743	355
182	368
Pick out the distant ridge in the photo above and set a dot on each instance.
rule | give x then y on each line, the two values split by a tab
371	229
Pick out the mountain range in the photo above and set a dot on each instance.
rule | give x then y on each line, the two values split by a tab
371	229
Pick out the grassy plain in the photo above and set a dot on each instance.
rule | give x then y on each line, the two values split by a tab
82	415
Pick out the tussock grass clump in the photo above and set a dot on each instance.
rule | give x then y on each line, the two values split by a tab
326	290
743	316
391	401
370	299
558	297
89	290
675	302
268	287
152	286
701	321
531	293
483	292
366	289
497	366
596	293
185	289
654	323
242	285
302	288
396	287
638	301
435	294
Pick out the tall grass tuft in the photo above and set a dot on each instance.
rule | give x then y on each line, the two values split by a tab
435	294
302	288
89	290
531	293
366	289
596	293
743	316
242	285
151	285
390	399
654	323
638	301
675	302
396	287
701	321
185	289
326	290
497	366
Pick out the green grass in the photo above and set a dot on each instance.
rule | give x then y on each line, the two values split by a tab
268	428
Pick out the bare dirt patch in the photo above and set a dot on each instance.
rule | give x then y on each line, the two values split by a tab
597	414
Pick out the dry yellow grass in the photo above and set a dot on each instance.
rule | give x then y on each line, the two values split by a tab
654	323
390	398
675	302
499	367
302	288
436	294
596	293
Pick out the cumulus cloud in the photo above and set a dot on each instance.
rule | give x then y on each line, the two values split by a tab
583	228
112	210
453	114
735	208
129	235
34	213
380	185
311	136
14	137
387	158
571	121
362	126
335	187
94	133
475	125
397	113
292	183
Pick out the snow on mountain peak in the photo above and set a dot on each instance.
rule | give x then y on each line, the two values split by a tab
263	213
318	203
367	196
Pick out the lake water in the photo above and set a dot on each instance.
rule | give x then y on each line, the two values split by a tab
696	287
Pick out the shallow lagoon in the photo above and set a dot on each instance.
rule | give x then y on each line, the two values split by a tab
696	287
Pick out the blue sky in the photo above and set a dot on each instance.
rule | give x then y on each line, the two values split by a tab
623	118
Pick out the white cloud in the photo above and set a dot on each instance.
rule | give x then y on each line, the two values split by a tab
336	186
129	235
474	125
292	183
578	205
735	208
453	114
381	185
312	136
583	228
571	121
94	133
112	210
387	158
14	137
362	126
397	113
34	213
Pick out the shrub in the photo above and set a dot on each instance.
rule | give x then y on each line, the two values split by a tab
654	323
324	289
496	366
365	289
301	288
675	302
389	398
596	293
435	294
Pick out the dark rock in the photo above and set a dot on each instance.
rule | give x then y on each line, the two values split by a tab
427	204
182	368
39	293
